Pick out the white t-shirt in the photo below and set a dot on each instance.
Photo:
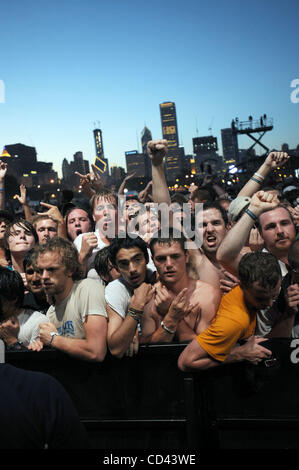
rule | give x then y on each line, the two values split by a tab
118	295
78	243
87	297
29	321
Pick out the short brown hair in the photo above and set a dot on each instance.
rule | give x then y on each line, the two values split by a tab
105	194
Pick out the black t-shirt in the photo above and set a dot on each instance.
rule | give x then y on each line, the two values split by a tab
37	413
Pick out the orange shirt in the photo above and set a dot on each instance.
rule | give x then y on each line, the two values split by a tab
232	323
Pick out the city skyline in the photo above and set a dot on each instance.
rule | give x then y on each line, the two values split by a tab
63	73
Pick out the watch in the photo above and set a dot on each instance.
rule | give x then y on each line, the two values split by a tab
52	334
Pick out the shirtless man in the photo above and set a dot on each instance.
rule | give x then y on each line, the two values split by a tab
182	307
213	228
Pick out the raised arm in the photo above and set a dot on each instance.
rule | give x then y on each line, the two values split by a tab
230	252
54	212
23	200
121	189
272	162
157	150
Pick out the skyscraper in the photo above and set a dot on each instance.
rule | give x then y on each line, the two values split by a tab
229	146
100	161
135	163
173	164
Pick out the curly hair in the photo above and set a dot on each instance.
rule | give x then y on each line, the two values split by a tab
67	251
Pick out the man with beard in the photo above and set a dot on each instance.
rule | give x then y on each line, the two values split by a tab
127	295
77	323
275	225
182	307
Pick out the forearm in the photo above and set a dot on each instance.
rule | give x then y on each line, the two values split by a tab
254	185
2	194
62	232
184	332
120	339
234	241
160	188
80	348
27	212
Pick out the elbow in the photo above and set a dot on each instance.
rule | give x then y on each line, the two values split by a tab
183	363
116	352
98	356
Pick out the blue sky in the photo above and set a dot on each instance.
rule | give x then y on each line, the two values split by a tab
69	64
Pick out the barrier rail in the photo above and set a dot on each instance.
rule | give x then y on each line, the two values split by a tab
145	402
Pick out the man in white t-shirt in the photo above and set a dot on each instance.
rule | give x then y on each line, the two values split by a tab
105	215
77	318
127	295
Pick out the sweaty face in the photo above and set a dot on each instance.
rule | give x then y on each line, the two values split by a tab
259	298
56	281
77	223
212	229
20	239
45	229
131	209
278	230
170	261
131	264
148	223
105	214
33	278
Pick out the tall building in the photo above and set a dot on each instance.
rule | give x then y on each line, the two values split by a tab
173	163
100	161
146	136
206	156
230	147
135	163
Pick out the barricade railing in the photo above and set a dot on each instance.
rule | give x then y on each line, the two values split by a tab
146	402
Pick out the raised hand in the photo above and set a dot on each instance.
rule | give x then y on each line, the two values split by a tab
263	201
276	159
157	150
22	197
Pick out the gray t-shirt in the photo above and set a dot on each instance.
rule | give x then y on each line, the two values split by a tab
87	297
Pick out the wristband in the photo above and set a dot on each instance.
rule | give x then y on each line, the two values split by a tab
135	311
2	189
256	180
167	329
259	176
133	315
53	333
251	214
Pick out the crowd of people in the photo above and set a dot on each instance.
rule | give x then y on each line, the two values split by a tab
217	273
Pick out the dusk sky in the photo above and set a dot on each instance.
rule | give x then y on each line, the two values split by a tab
69	65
